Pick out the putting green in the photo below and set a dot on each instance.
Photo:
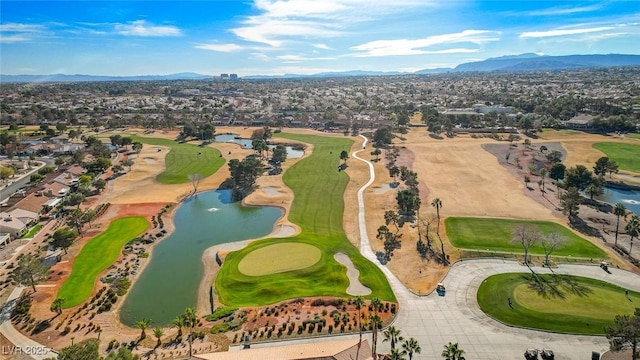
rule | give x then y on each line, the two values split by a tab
278	258
486	234
184	159
625	155
559	303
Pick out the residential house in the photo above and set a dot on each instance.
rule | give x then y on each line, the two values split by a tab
17	221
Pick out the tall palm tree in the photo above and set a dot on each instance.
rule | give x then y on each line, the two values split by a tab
143	324
543	175
178	322
411	347
190	320
56	305
633	229
452	352
618	210
375	323
392	335
437	203
396	355
358	302
157	332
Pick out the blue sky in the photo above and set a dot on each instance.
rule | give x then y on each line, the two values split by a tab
304	36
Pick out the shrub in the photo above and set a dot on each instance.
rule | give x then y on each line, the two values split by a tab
221	313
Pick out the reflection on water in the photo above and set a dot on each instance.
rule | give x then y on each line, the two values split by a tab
247	144
630	199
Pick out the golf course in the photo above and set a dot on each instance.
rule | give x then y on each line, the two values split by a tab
98	254
486	234
250	278
626	155
559	303
184	159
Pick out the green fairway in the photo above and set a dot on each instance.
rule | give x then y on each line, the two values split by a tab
184	159
318	208
98	254
495	235
558	303
268	260
626	155
635	136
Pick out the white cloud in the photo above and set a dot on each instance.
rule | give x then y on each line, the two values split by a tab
417	46
260	56
142	28
563	32
10	39
220	47
14	32
322	46
15	27
565	10
272	32
299	58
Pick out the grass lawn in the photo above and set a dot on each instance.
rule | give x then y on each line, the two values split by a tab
495	235
268	260
184	159
34	230
98	254
635	136
563	303
318	208
626	155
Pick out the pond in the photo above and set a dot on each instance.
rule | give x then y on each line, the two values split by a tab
170	281
246	143
630	199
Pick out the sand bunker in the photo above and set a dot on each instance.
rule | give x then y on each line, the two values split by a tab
382	189
279	258
271	190
355	286
150	160
283	231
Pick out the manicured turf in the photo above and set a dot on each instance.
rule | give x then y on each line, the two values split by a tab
635	136
565	304
495	235
626	155
318	208
98	254
269	259
184	159
34	230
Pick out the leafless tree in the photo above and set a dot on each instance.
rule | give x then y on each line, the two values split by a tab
550	243
526	236
195	181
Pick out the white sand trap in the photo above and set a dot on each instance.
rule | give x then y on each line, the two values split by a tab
382	189
283	231
149	160
355	286
271	190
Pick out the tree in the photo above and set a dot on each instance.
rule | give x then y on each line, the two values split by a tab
526	236
358	302
63	238
126	141
116	140
195	181
76	219
137	147
408	202
143	324
600	167
56	305
594	189
178	322
128	163
36	178
550	243
411	347
376	152
612	167
375	324
624	331
396	354
452	352
259	146
633	230
570	202
190	321
382	136
123	353
6	173
543	175
279	155
578	177
394	171
344	155
30	271
437	203
554	156
244	173
157	332
74	199
87	350
618	210
100	184
392	335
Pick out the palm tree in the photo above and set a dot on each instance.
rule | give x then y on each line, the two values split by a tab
56	305
143	324
375	322
190	320
157	332
452	352
632	229
178	322
392	335
618	210
437	203
396	355
411	347
543	175
358	302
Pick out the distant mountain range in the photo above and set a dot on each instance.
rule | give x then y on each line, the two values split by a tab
511	63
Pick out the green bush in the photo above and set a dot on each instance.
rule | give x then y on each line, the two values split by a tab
221	313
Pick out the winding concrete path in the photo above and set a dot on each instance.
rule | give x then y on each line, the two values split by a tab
434	320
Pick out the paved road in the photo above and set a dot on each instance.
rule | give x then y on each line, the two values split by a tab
434	320
23	344
7	191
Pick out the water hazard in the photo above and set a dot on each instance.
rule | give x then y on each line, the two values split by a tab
170	281
630	199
